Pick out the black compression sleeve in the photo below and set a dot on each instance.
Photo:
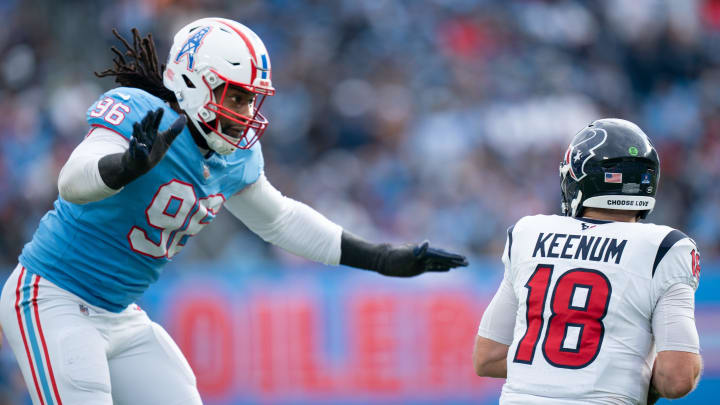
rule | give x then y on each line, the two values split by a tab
406	260
357	252
112	171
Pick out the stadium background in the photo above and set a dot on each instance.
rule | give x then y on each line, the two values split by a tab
399	120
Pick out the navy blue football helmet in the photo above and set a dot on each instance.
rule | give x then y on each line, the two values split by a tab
609	164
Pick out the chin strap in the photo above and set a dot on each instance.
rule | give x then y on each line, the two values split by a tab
198	138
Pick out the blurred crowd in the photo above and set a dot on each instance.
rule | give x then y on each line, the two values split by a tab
401	120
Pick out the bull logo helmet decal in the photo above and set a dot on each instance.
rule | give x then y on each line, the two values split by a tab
191	46
575	158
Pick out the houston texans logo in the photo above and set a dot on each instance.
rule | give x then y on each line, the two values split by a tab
191	46
576	157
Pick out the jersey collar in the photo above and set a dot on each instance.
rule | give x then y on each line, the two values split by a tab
593	221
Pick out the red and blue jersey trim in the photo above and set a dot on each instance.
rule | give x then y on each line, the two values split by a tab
28	316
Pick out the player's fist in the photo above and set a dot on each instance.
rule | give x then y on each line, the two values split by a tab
147	148
409	260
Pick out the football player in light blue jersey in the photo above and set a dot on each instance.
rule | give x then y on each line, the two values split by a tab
141	183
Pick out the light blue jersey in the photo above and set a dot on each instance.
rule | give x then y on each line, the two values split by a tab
109	252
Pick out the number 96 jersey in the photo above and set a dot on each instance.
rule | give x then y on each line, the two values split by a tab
585	292
108	252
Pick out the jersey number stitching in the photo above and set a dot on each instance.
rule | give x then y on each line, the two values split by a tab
575	330
695	263
168	212
115	115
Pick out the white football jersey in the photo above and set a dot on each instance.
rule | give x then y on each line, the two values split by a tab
586	291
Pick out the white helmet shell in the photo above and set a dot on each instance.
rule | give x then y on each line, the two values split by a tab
211	52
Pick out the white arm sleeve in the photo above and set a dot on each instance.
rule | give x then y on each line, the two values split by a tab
673	320
498	321
286	223
80	180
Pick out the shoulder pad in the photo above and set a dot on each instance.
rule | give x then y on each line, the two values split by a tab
677	261
668	242
119	108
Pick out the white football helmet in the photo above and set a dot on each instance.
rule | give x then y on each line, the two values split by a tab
213	52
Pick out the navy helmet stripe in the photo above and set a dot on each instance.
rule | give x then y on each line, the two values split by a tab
669	241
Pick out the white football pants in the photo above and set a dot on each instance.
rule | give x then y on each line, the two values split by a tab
71	352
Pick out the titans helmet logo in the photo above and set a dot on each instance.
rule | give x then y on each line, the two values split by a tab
191	46
582	149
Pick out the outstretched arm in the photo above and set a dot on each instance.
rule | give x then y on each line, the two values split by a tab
397	261
301	230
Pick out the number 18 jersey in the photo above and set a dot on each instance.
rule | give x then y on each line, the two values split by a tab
586	292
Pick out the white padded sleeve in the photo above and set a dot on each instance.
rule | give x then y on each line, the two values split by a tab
673	320
286	223
498	321
676	267
79	181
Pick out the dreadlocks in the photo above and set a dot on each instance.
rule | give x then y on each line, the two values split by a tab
142	70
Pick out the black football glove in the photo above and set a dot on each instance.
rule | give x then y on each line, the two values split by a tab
406	260
409	260
147	148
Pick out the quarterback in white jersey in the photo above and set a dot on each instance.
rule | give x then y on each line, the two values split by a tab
602	306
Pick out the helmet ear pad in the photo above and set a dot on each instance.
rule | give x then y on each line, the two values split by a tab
609	164
569	193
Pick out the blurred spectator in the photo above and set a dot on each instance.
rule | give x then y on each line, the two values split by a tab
397	118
